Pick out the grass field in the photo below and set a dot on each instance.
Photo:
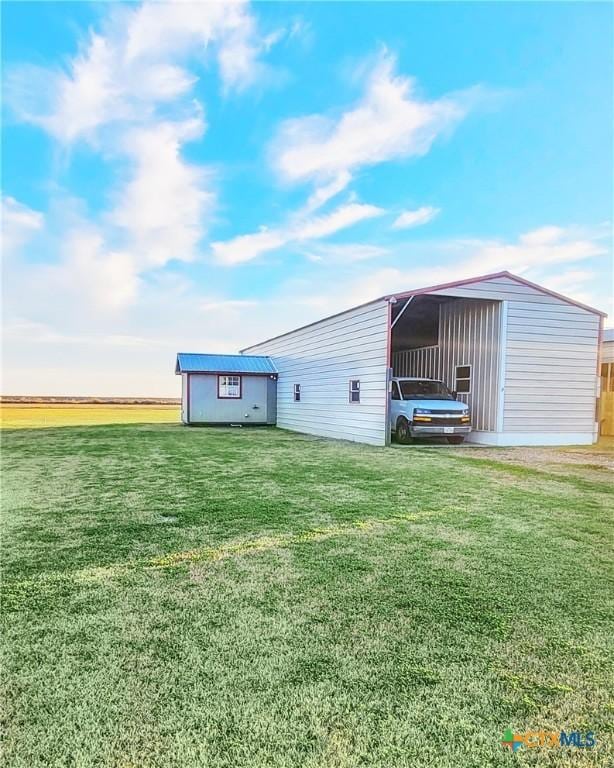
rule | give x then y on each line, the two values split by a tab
14	416
180	597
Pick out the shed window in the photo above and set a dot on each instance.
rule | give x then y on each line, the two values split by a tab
229	387
297	393
463	379
354	391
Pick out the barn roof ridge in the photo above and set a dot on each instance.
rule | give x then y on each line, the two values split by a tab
431	288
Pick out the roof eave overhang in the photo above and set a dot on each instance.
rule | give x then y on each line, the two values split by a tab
493	276
273	374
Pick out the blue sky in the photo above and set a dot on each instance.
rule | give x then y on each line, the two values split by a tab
196	177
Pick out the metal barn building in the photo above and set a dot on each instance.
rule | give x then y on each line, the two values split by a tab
521	356
227	389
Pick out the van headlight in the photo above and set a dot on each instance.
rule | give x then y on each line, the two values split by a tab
422	410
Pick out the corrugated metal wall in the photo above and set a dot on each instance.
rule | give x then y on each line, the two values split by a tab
322	358
550	363
469	335
422	361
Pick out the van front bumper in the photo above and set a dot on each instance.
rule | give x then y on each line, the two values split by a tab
438	430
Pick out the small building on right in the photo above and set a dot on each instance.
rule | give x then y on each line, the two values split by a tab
523	358
606	397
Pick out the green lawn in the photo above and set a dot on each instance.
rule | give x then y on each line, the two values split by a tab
253	598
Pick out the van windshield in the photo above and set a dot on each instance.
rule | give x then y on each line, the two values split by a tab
424	390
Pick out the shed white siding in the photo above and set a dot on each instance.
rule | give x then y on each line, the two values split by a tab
251	408
322	358
550	362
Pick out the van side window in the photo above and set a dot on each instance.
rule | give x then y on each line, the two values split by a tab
395	391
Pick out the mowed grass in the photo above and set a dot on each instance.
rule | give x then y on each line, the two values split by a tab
35	416
234	598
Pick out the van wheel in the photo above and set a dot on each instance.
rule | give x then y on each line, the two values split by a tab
455	439
403	434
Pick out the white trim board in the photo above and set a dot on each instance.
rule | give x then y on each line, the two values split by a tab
531	438
504	311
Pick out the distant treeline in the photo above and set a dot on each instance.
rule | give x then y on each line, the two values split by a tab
90	400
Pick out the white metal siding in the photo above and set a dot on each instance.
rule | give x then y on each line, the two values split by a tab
322	358
550	359
469	335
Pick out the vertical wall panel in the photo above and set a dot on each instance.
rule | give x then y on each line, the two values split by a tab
469	335
422	361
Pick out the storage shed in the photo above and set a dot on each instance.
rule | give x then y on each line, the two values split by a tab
524	359
227	389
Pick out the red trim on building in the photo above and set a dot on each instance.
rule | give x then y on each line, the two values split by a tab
388	368
483	278
430	289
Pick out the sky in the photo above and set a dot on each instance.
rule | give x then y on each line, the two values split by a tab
198	177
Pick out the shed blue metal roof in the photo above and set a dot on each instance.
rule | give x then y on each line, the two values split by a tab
194	363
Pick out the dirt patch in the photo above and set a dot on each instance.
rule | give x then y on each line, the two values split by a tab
555	460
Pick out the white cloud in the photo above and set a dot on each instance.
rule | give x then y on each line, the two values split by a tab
128	92
535	250
107	278
344	253
416	218
22	331
438	262
326	192
163	209
19	224
389	122
226	305
248	247
547	255
159	214
341	218
171	315
135	64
